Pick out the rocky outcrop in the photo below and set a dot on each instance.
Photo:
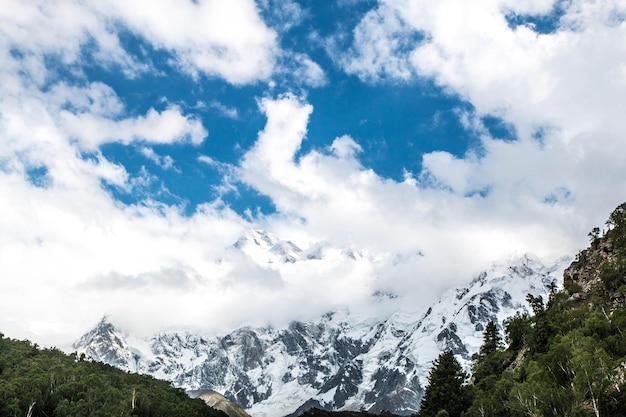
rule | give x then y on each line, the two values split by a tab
218	401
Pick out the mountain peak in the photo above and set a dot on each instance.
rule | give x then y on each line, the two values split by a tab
258	237
338	361
265	248
109	345
103	331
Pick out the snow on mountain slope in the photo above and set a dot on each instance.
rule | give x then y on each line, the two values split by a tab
339	361
264	248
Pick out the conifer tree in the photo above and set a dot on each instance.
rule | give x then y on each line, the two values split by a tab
446	388
491	339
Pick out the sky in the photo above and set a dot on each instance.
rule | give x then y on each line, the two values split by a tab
139	140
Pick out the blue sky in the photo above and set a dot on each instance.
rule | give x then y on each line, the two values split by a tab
139	140
394	122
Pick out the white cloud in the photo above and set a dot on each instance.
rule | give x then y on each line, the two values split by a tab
221	38
78	253
165	162
461	213
173	278
163	127
381	46
224	38
52	128
345	146
27	28
308	71
567	85
282	14
65	233
230	112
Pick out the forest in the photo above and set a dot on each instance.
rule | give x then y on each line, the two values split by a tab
567	359
38	382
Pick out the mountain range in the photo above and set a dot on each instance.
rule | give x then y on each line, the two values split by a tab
340	361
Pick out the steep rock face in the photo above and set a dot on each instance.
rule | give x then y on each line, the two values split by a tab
219	402
338	362
600	270
108	345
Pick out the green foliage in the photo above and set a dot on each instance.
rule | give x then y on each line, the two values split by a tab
537	340
617	219
446	390
516	329
594	237
490	391
491	339
617	227
569	356
571	287
613	274
49	383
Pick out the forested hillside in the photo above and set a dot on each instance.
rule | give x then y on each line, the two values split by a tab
46	382
568	359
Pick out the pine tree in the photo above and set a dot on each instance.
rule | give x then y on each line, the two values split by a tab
517	329
491	339
446	388
490	361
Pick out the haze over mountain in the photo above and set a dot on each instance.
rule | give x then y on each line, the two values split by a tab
338	361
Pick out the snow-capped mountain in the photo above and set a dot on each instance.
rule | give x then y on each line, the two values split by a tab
265	248
339	361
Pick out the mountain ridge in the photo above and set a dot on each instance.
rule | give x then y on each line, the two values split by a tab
337	362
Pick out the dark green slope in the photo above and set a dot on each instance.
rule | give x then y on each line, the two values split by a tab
569	358
46	382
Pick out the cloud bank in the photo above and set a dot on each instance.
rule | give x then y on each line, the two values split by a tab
71	252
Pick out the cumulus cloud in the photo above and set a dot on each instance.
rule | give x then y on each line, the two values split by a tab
561	91
70	246
222	38
460	213
155	127
382	42
62	244
63	232
219	38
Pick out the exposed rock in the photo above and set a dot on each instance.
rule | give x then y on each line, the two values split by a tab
336	362
218	401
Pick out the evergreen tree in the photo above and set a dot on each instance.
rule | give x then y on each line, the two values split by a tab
517	329
541	332
490	396
491	339
446	390
491	360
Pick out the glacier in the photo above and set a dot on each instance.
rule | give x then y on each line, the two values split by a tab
341	360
